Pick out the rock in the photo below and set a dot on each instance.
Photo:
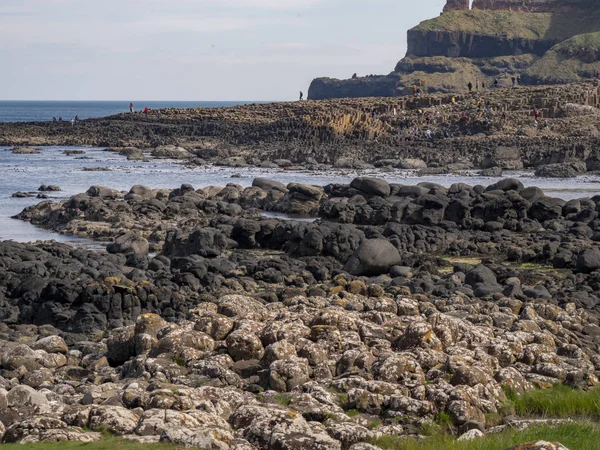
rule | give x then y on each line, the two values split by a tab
170	152
471	435
102	192
49	188
411	164
134	247
18	356
204	438
588	260
492	172
115	419
243	345
51	344
26	396
26	151
373	257
267	184
539	445
371	186
562	170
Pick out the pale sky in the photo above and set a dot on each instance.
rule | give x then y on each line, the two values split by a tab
196	49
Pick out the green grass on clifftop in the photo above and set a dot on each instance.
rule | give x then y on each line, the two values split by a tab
556	27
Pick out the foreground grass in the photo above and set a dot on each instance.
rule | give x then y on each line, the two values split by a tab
107	443
560	402
575	436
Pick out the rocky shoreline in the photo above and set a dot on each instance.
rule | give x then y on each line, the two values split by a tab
209	324
439	133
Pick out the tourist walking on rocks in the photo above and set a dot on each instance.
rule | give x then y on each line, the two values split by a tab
496	83
483	85
514	81
418	92
146	110
518	80
131	107
76	117
301	95
470	86
158	113
535	113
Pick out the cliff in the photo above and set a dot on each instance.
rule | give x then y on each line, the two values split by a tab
543	41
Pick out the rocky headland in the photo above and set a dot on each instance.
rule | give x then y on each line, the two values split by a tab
209	323
494	129
541	41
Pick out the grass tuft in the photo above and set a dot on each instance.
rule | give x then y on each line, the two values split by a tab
575	436
560	401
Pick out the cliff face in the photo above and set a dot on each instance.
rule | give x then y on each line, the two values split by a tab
533	6
493	39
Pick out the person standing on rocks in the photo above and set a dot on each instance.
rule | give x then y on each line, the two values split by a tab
301	95
146	110
131	107
514	81
518	80
496	83
470	86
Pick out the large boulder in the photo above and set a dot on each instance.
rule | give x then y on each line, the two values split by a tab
267	184
134	247
373	257
483	281
562	170
588	260
371	186
206	242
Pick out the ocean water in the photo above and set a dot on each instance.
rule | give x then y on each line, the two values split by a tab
34	111
27	173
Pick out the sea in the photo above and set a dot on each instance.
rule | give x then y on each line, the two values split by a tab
40	111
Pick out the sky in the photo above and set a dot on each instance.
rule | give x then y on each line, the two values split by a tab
209	50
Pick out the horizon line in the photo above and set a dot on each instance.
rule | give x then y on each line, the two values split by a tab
130	101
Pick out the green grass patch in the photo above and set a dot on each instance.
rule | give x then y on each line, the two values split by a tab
575	436
560	401
107	443
352	413
283	399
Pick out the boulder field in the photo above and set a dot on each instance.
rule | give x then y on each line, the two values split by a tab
209	323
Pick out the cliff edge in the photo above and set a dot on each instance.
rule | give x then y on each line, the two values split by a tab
542	41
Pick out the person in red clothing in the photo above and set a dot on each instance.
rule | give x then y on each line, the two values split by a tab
536	113
146	110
